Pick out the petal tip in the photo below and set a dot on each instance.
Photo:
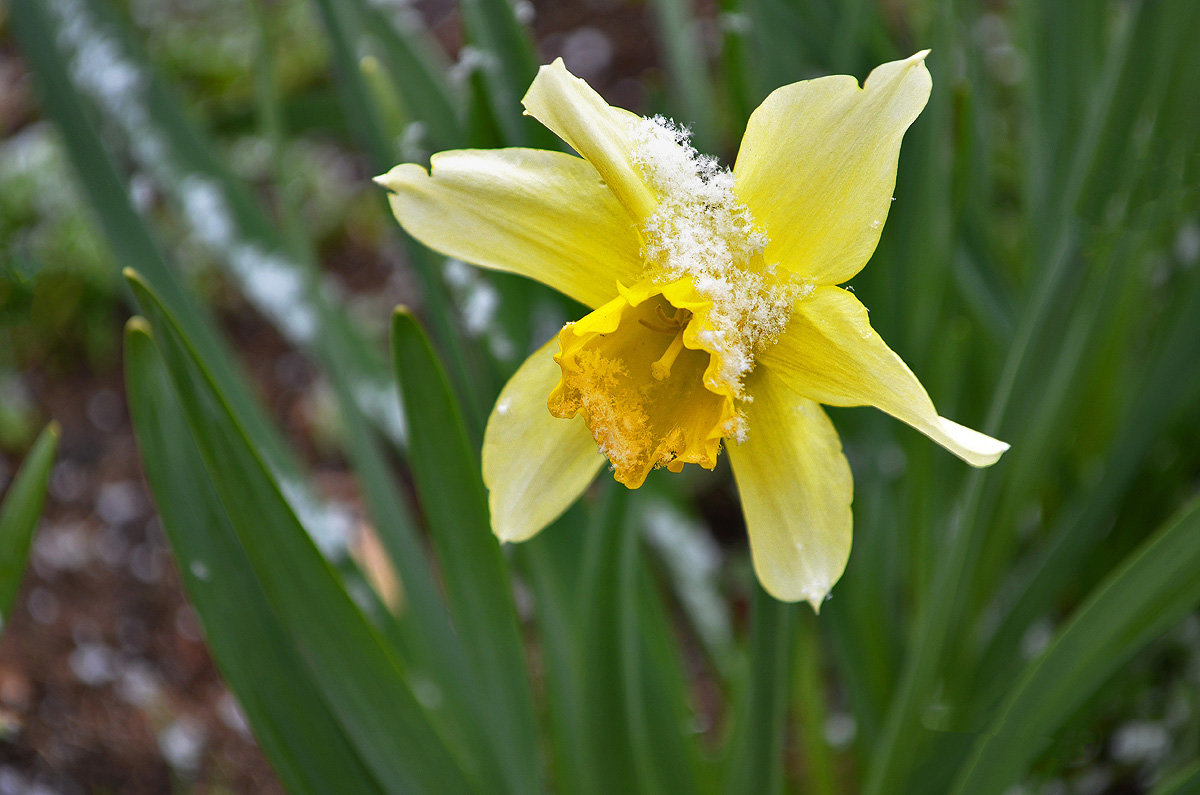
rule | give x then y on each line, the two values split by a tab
514	532
508	527
794	592
545	72
400	176
977	449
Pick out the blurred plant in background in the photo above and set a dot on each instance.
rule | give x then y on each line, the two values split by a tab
1032	626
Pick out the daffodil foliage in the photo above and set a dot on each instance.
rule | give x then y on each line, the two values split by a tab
1026	194
717	319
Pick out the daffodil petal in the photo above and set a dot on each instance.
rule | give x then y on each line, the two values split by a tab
831	354
796	488
534	464
545	215
817	165
593	128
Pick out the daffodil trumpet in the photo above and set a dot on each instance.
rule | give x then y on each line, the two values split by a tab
717	319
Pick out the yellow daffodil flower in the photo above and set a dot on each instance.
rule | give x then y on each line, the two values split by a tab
716	315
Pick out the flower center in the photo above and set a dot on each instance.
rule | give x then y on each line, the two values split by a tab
638	373
700	229
673	325
657	371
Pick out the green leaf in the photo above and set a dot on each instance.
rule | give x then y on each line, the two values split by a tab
896	750
20	513
756	746
809	707
551	562
411	58
350	361
127	234
359	677
450	486
655	682
344	25
362	113
610	732
508	62
220	210
691	95
1155	589
286	709
1184	782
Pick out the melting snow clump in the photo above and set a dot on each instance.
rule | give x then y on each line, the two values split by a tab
700	229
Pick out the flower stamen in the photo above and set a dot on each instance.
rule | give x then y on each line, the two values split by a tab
661	369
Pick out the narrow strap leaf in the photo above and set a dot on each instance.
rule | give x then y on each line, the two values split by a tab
450	486
756	748
1155	588
356	671
20	513
300	735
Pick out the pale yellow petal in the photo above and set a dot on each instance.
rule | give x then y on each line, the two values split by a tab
817	166
534	465
593	128
545	215
831	354
796	489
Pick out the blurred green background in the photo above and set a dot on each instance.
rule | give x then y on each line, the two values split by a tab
1029	628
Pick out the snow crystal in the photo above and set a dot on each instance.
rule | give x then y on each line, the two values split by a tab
200	570
273	282
380	400
470	60
100	69
524	11
120	502
587	51
92	664
182	743
840	729
1140	741
694	560
330	526
700	229
231	714
478	301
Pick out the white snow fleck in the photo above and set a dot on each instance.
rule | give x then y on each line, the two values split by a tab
1140	741
139	685
182	744
231	714
61	547
840	729
1187	243
413	141
120	502
1036	638
477	302
380	400
427	692
330	527
694	561
587	51
700	229
470	60
43	606
524	11
92	664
